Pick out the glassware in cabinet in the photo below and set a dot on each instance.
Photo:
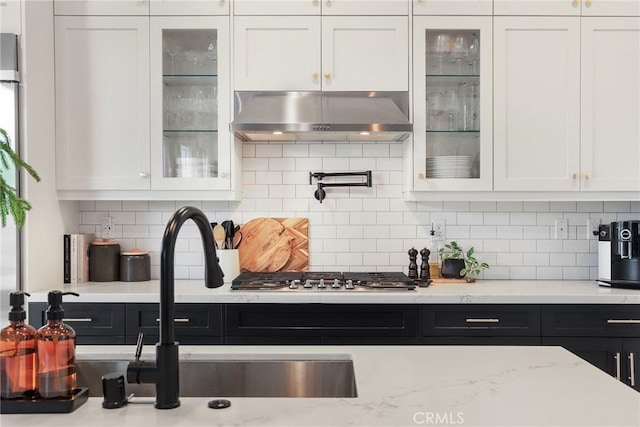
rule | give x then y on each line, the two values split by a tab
190	103
452	114
453	101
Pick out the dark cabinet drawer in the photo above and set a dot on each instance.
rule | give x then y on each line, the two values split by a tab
591	320
87	319
321	320
194	323
480	320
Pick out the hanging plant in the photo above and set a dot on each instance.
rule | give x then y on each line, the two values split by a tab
10	203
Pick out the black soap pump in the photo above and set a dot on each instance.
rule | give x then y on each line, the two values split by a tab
18	360
56	343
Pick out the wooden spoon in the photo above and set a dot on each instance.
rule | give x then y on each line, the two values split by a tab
219	235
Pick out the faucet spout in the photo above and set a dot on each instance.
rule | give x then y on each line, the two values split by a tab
165	372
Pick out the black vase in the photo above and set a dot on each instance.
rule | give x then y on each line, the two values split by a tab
450	268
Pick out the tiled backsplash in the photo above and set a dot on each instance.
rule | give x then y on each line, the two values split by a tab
369	229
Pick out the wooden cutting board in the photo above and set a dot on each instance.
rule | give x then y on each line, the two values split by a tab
274	244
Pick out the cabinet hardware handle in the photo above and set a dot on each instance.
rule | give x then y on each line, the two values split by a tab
178	320
328	2
144	174
315	2
632	370
588	2
617	357
327	75
574	175
587	176
314	75
574	3
623	321
77	319
472	320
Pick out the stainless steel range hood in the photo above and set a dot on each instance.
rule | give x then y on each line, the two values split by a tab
321	116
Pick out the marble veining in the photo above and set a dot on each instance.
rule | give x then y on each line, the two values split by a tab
481	292
397	386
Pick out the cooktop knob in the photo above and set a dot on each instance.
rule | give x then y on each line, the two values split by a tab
321	284
348	284
336	284
293	284
307	284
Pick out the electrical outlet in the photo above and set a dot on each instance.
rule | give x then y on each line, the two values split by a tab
592	227
107	226
439	228
562	228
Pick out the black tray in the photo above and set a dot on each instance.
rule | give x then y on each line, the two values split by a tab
57	405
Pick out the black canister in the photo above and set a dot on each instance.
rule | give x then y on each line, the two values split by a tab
135	266
104	261
113	391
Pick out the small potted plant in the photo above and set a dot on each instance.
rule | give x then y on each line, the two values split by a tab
452	261
473	267
456	264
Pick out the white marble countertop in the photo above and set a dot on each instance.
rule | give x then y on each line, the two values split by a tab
397	386
482	292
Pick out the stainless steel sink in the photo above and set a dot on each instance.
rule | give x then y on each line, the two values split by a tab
238	378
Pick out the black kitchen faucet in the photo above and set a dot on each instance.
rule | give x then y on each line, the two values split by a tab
165	371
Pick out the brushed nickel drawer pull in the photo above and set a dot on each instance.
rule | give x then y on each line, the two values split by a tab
617	357
472	320
77	319
178	320
632	370
623	321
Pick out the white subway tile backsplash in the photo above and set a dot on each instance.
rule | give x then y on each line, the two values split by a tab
135	205
563	206
617	207
470	218
295	150
108	205
365	229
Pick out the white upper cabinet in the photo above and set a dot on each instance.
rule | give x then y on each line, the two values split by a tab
321	7
567	7
452	7
537	103
277	53
610	104
10	21
333	53
452	135
101	7
141	7
567	102
102	103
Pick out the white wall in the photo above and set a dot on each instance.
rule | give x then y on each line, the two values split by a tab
371	228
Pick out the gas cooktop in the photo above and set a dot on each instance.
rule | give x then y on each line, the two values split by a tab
323	281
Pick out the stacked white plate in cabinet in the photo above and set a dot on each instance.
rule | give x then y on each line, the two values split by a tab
449	167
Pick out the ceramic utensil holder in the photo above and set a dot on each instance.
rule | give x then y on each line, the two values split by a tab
229	263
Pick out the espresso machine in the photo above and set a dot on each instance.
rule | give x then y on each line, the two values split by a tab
619	254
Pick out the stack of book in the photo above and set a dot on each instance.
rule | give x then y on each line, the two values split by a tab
76	257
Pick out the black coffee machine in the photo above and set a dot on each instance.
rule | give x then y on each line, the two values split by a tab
619	254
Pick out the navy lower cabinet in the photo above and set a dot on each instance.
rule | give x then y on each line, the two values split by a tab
607	336
353	324
94	323
480	324
194	323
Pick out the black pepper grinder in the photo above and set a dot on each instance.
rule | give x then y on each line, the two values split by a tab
413	265
424	267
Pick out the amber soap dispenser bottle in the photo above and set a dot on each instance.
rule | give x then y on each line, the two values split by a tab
18	362
56	344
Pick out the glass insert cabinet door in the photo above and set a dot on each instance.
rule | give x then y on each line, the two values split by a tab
189	102
452	115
